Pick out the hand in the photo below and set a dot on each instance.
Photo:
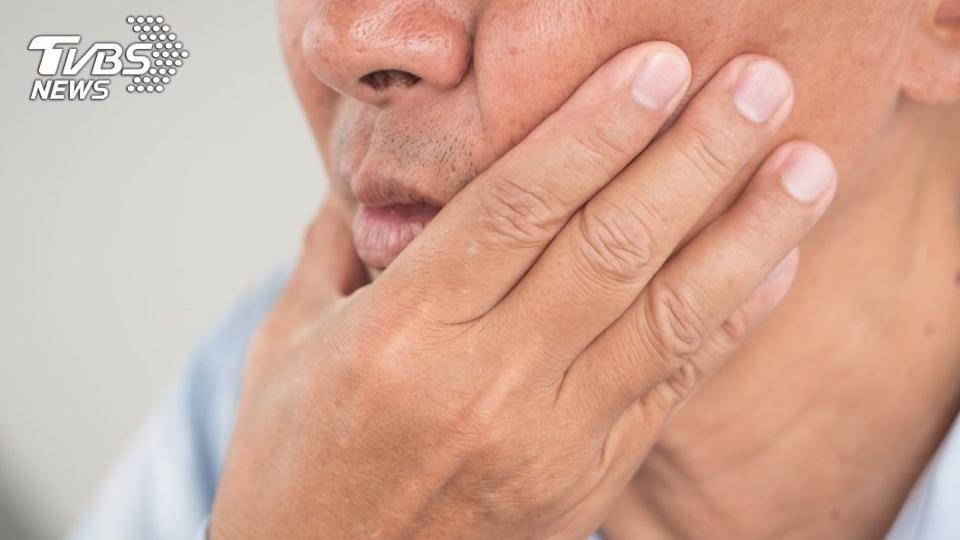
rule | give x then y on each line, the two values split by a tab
509	372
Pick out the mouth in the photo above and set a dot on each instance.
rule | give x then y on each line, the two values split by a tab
390	215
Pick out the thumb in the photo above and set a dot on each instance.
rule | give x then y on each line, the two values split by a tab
328	268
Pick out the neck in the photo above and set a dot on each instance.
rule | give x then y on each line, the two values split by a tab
822	423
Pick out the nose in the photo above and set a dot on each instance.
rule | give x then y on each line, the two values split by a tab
386	52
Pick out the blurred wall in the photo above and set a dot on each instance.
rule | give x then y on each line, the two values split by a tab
127	227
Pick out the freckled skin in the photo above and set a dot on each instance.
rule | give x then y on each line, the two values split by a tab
819	426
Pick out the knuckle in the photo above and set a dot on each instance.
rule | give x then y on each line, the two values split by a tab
477	418
600	143
378	359
677	326
764	225
523	214
681	385
713	155
478	431
379	375
617	241
525	483
734	330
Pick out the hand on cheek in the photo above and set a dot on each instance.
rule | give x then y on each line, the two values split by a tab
508	373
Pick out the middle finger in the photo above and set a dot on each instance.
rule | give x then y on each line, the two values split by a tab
610	250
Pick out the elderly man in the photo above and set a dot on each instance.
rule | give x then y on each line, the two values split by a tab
639	269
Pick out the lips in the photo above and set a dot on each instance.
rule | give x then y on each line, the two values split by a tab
391	214
380	233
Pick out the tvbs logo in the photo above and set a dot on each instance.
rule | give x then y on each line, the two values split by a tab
149	64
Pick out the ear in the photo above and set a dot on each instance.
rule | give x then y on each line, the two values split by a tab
932	70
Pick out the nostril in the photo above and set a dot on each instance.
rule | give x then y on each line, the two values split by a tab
387	78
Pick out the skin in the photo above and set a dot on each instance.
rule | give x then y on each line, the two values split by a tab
819	422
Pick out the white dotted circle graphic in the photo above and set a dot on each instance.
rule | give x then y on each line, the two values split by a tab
165	51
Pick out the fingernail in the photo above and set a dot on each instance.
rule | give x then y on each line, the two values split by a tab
807	174
658	80
783	265
762	89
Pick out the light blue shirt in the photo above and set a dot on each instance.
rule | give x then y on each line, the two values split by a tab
163	487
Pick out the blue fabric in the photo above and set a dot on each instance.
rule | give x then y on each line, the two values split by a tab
163	486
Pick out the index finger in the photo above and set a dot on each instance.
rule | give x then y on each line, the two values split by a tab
483	242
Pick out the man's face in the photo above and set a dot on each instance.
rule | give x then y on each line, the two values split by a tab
411	99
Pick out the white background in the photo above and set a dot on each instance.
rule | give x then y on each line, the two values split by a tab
127	228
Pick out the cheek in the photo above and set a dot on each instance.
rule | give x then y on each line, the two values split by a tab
844	57
529	58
